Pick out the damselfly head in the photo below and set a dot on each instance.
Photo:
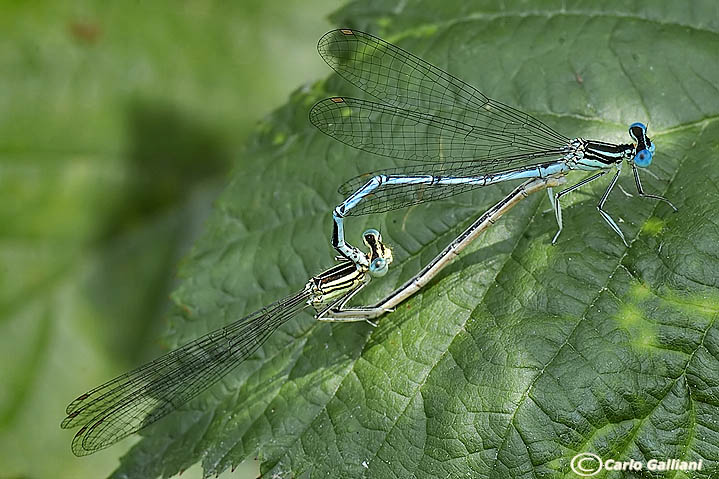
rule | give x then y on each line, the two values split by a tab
380	255
643	158
644	150
379	267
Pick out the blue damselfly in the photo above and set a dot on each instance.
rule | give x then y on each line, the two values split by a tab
460	138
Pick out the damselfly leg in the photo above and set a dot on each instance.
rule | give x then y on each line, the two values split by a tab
140	397
457	137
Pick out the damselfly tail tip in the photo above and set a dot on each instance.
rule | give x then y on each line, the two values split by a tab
380	254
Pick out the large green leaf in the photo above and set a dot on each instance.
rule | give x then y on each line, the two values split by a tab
522	354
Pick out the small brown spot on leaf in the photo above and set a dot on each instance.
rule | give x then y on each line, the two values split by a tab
85	32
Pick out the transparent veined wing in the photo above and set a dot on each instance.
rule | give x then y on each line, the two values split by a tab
400	79
140	397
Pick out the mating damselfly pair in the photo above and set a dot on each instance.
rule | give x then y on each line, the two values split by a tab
460	140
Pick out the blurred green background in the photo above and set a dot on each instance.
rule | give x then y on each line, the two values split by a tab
119	124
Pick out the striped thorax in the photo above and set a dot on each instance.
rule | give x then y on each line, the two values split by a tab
347	274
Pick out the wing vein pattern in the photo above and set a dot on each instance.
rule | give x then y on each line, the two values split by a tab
424	115
140	397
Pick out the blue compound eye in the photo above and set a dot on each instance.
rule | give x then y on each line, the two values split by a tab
643	158
640	125
379	267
